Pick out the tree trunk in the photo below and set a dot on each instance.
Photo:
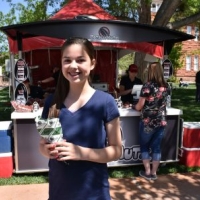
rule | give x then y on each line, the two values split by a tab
145	18
144	12
165	12
185	21
142	65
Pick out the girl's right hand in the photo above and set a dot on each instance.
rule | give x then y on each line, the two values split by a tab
49	149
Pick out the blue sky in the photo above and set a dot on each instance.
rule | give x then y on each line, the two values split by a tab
4	6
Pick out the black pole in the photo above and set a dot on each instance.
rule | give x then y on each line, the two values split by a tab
19	41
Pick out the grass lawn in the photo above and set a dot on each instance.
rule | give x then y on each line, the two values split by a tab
182	98
5	107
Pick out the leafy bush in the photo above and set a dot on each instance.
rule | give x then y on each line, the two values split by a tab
5	106
172	79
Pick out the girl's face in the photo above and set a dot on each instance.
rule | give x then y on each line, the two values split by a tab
76	64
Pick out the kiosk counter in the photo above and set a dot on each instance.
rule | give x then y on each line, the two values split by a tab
129	121
26	143
27	157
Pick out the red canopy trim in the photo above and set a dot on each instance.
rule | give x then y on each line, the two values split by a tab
71	10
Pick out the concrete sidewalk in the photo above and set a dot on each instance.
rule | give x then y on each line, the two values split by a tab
167	187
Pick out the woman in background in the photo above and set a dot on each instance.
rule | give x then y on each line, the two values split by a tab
152	104
91	129
182	83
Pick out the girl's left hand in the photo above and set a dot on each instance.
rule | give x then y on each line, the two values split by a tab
68	151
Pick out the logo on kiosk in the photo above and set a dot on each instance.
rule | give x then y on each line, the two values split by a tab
104	34
131	153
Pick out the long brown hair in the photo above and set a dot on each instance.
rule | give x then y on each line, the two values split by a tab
62	88
155	74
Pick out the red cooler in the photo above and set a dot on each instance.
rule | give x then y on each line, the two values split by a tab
190	157
189	154
191	135
6	165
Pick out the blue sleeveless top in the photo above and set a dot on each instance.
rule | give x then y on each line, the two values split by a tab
78	180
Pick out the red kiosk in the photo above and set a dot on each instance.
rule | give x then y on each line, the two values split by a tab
39	42
107	51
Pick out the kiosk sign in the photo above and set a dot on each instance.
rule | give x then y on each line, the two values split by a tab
21	70
21	74
21	95
167	68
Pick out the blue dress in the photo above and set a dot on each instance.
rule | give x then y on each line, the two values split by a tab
78	180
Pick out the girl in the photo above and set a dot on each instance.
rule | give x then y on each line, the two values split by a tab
91	129
152	103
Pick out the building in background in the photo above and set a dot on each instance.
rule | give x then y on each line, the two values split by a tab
190	49
190	55
155	5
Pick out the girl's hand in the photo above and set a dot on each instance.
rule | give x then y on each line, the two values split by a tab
68	151
49	149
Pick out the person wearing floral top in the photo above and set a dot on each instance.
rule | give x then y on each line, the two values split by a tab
152	104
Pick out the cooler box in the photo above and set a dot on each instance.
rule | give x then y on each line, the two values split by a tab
191	135
189	157
6	165
5	136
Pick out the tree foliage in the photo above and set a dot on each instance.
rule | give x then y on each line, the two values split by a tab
33	10
26	11
139	11
126	61
173	14
175	57
7	19
132	10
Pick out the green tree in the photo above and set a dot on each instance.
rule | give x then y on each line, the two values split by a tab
125	61
20	13
173	14
170	13
175	58
30	10
5	20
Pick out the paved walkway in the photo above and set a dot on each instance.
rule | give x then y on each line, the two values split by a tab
167	187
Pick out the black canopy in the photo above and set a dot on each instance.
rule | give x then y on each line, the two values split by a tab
105	31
